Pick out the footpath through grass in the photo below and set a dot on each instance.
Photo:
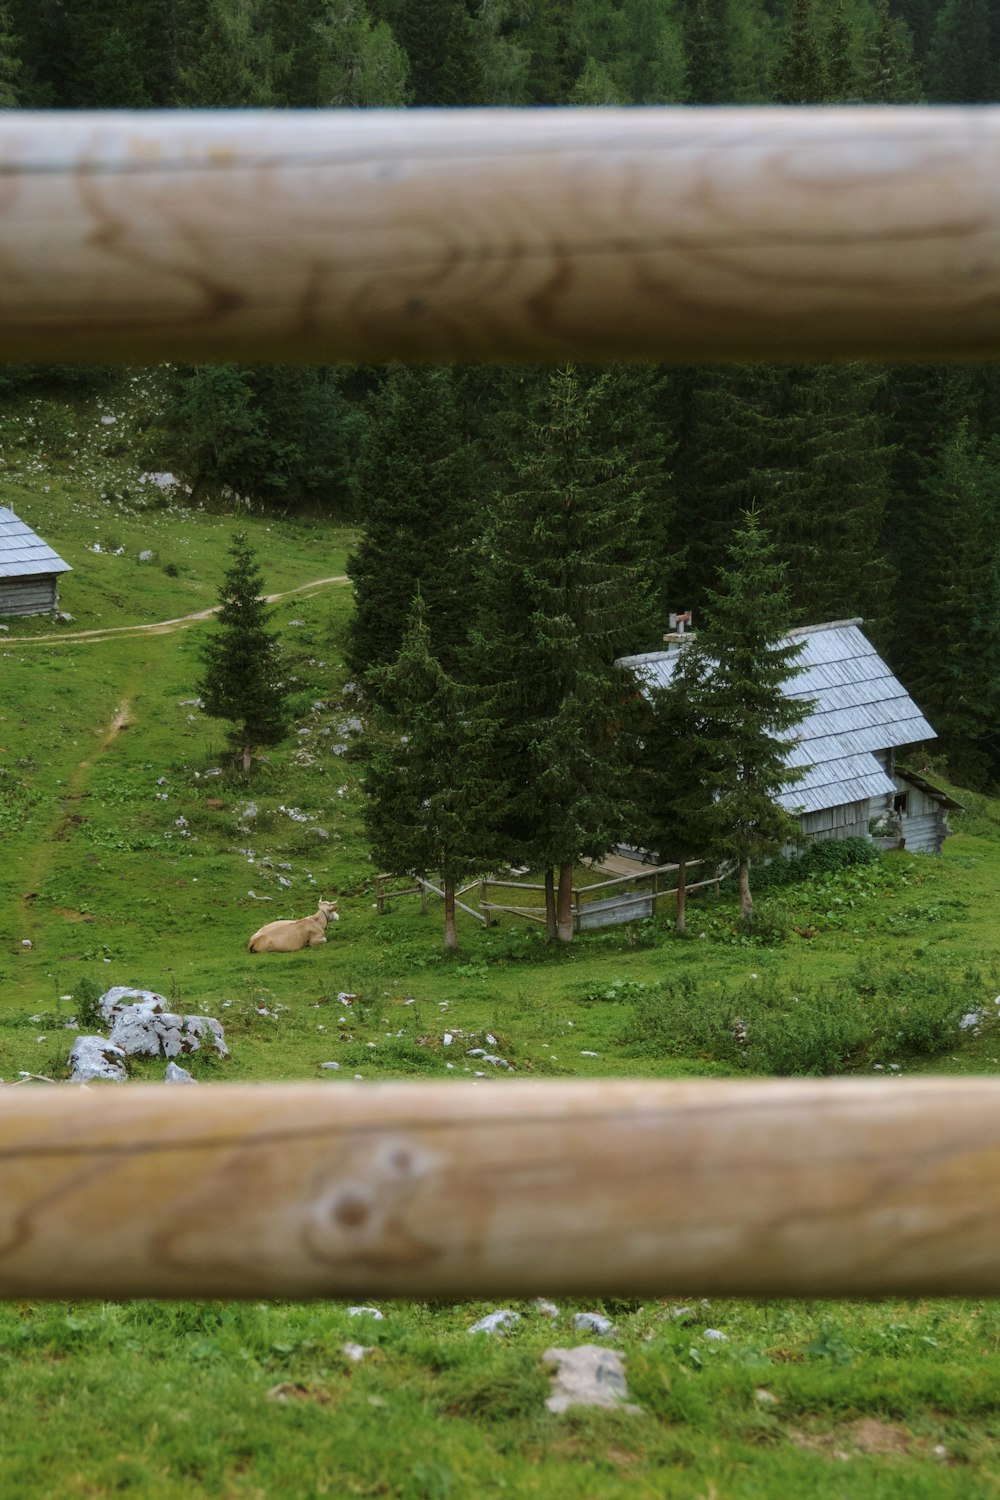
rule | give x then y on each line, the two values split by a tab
131	854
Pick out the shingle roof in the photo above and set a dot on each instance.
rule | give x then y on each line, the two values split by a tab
23	553
859	707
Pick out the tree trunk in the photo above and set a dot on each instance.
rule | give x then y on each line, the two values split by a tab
746	900
450	934
550	906
680	925
564	907
246	760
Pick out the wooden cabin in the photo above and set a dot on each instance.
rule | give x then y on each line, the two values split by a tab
29	569
853	786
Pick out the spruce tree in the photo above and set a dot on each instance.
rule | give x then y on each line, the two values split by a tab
242	678
948	644
564	589
735	670
798	77
671	779
10	61
418	492
431	789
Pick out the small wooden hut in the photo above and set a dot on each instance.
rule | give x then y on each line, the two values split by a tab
29	569
861	715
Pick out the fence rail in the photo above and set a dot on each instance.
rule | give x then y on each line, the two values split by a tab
665	234
857	1188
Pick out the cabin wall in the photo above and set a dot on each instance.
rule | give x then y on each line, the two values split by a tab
924	821
848	821
28	596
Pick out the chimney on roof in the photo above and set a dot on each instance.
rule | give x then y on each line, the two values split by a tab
677	623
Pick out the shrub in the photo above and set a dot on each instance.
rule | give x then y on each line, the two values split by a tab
820	856
85	997
768	1027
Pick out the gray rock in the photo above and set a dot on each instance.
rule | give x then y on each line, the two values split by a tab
175	1074
716	1336
366	1312
119	996
588	1376
356	1352
95	1057
334	1067
494	1322
593	1323
145	555
147	1032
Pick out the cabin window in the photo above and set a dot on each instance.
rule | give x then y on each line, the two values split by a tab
899	803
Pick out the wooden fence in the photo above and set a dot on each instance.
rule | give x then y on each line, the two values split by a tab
548	235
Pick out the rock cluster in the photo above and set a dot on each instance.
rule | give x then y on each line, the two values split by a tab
142	1025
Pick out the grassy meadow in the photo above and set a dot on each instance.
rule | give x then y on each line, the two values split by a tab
130	853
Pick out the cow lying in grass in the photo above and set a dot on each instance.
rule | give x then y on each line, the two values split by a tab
288	937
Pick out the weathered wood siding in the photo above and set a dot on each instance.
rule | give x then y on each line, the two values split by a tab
848	821
27	596
925	823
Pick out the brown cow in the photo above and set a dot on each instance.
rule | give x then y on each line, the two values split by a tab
288	937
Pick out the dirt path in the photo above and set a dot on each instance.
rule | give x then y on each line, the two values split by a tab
160	627
67	814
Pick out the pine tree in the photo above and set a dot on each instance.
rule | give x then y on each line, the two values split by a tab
235	63
559	602
242	678
735	670
430	788
358	62
798	77
10	60
840	48
948	645
418	493
891	75
671	780
438	39
707	35
962	67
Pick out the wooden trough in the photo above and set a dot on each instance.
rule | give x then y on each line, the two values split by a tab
549	235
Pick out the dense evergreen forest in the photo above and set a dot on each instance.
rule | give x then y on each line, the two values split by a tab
879	486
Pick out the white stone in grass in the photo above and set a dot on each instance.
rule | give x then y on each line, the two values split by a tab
590	1322
175	1074
588	1375
93	1057
356	1352
716	1336
496	1322
334	1067
546	1307
366	1312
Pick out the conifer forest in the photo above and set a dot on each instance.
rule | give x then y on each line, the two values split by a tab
878	487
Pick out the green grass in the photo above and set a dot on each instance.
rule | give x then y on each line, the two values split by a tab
102	878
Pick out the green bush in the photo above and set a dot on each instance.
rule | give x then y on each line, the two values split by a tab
819	857
767	1026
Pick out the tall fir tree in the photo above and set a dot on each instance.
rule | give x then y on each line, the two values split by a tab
558	603
431	789
734	672
242	681
417	484
10	61
948	640
438	39
798	76
962	65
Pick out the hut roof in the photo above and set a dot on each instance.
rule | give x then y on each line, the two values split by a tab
23	554
858	707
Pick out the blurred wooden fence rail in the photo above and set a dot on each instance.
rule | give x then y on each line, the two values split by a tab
502	1188
604	234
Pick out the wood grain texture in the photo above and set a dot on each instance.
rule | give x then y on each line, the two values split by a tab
605	234
502	1188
